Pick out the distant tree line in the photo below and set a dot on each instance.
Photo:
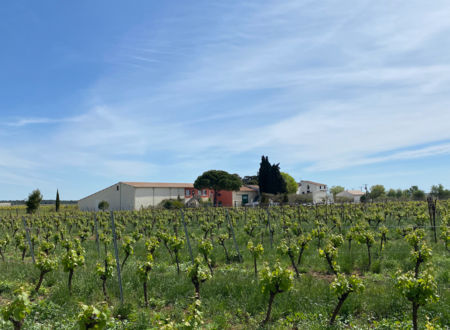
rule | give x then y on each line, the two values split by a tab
378	192
43	202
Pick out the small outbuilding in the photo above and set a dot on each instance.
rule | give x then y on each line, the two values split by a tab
351	195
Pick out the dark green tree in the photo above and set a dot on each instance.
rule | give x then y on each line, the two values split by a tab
218	180
438	191
103	205
392	193
264	175
377	191
250	179
57	202
33	202
270	179
416	193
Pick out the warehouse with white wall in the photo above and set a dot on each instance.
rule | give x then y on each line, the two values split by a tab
135	195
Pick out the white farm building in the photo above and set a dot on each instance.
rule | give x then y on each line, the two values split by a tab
318	191
137	195
351	195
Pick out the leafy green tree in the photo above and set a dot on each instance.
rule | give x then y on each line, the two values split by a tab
291	184
269	177
57	202
377	191
103	205
392	193
33	201
336	190
438	191
218	180
273	282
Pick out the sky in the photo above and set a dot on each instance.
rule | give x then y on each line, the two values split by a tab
339	92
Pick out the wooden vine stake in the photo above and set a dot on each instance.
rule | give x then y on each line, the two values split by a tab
116	252
96	233
187	236
27	231
234	238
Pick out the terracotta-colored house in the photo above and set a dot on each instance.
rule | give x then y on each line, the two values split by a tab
245	195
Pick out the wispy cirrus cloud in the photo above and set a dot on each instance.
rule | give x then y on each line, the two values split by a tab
318	86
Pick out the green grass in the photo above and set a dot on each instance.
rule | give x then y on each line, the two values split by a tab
232	299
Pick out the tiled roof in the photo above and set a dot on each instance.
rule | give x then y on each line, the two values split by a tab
158	185
244	188
312	182
356	192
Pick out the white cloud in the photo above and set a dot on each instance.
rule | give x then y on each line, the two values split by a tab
318	85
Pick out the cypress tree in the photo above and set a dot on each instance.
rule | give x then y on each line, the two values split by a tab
57	202
264	175
270	179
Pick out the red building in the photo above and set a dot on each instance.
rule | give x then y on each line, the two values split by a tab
204	194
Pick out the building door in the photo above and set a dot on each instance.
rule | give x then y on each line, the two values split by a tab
244	199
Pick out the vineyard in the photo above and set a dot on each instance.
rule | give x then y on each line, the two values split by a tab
377	266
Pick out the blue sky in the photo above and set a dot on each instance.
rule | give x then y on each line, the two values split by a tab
340	92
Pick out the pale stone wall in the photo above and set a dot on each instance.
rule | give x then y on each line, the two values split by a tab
237	197
306	188
319	196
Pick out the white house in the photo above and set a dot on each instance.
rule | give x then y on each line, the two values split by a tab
245	195
354	195
137	195
316	189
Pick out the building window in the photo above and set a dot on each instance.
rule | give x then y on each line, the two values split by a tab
117	188
188	192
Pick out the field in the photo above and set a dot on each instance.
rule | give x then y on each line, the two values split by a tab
362	252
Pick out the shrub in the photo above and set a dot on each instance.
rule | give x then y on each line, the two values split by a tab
172	204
